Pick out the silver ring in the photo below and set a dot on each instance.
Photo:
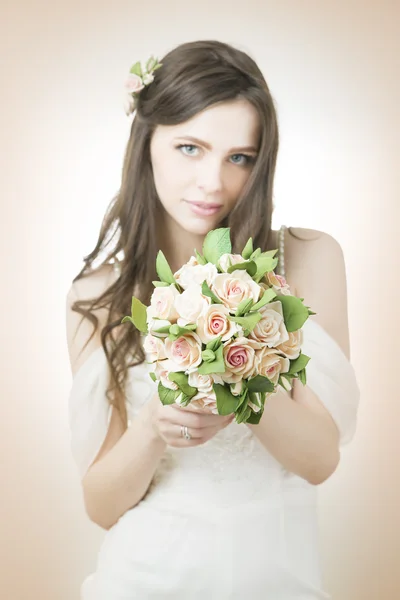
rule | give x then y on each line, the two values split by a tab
185	433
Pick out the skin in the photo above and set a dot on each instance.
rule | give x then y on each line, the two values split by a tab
214	171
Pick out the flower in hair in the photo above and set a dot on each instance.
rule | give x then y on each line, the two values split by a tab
139	77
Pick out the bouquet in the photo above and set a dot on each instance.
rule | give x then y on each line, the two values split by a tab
224	331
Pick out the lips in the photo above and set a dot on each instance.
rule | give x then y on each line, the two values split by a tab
205	205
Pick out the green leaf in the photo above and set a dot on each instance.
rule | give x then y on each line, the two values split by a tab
139	315
160	284
268	295
244	307
248	322
182	381
136	69
200	259
153	376
208	355
163	269
295	314
125	319
264	265
217	366
177	330
216	243
205	290
214	344
164	329
248	249
249	266
227	403
298	364
260	384
255	418
310	312
243	398
303	376
255	254
166	395
243	414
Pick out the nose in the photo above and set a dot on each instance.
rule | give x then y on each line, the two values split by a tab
209	176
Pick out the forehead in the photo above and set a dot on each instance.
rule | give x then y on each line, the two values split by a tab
222	126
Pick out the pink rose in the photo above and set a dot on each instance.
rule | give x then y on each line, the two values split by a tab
206	401
239	357
214	322
161	371
270	364
193	273
185	352
133	83
279	283
227	260
191	304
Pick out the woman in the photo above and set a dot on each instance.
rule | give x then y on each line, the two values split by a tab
230	510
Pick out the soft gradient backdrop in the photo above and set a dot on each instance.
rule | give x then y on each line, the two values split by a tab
333	68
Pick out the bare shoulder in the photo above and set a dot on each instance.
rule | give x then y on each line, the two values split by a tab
79	330
316	268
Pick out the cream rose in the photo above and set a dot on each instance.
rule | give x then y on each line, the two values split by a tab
206	401
292	347
162	304
214	322
133	83
240	359
203	383
234	287
270	364
161	371
185	352
279	283
192	273
154	348
190	305
227	260
271	329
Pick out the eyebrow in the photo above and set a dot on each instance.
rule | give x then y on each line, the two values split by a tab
206	145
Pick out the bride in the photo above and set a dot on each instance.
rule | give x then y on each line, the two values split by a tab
230	510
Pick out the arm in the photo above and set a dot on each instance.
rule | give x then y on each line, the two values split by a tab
298	430
122	471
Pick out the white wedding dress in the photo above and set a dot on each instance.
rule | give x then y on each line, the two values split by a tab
220	521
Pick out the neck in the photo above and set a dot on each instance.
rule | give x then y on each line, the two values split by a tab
176	243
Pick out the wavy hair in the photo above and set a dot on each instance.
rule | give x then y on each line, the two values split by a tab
193	77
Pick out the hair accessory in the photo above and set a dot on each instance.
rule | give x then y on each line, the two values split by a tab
139	76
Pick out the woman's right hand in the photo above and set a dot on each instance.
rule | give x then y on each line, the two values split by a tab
167	421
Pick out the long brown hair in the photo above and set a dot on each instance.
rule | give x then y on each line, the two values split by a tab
193	76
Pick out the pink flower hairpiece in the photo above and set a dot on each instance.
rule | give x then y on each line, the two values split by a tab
139	76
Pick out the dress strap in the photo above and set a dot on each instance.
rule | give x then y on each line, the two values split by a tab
117	266
281	251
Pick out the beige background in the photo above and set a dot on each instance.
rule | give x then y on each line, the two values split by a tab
333	68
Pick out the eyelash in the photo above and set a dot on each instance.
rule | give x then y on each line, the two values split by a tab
249	159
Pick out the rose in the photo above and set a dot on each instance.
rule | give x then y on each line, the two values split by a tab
279	283
128	104
270	364
205	401
227	260
291	348
234	287
161	371
192	273
271	329
214	322
162	304
133	83
239	357
203	383
190	305
185	351
154	348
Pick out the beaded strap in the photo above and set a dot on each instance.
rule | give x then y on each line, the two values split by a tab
281	251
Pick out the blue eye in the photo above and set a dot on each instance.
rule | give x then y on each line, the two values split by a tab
248	159
181	146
